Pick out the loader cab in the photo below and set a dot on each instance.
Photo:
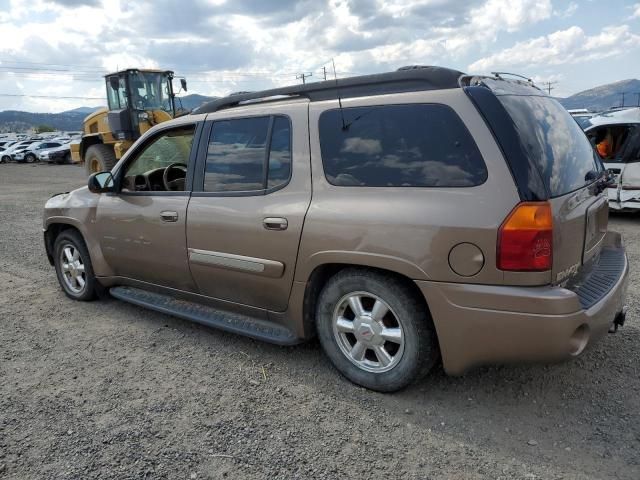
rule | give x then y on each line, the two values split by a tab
135	98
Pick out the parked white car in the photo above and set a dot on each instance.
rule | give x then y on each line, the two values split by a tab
16	148
616	137
30	154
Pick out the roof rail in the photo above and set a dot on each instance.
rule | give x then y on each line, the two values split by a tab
404	80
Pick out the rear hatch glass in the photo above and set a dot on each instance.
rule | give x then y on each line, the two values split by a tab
558	150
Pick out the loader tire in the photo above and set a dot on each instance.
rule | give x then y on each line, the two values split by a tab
99	158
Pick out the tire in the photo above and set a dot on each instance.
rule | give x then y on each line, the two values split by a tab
412	355
99	158
67	158
6	158
30	158
70	243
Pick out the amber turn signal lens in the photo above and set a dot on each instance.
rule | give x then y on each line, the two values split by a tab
525	238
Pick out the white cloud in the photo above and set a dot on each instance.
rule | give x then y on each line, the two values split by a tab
571	9
568	46
636	11
496	15
231	45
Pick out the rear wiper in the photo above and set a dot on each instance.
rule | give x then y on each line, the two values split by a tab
601	180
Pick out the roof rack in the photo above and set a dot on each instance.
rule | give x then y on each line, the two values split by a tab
404	80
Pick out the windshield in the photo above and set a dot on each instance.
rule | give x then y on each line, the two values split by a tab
553	141
584	122
150	91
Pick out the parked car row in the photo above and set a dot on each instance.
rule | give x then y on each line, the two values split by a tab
56	150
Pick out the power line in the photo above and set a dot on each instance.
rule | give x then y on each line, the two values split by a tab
61	97
40	70
623	94
549	86
303	76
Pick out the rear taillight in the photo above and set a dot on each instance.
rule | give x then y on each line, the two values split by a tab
525	238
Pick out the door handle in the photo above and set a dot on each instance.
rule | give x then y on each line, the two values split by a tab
275	223
167	216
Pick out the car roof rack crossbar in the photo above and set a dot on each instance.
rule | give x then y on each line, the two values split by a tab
403	80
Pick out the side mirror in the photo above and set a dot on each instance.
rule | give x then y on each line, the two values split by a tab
114	83
101	182
183	84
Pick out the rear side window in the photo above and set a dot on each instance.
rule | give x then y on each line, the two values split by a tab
248	154
552	141
399	146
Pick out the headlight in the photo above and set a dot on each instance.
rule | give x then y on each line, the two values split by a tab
144	116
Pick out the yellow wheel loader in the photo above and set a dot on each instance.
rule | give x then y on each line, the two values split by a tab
137	100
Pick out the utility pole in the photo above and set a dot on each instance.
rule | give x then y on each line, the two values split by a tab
637	94
548	86
303	76
324	72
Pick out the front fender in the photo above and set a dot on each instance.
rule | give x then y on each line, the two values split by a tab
76	209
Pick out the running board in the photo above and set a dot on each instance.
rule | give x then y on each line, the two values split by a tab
196	312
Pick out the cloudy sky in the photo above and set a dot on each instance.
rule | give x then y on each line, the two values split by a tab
62	48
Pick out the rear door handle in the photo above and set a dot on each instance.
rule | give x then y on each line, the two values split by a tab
168	216
275	223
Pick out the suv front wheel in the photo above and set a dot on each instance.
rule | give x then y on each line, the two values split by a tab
73	266
374	330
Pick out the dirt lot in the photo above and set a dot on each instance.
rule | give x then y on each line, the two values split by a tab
109	390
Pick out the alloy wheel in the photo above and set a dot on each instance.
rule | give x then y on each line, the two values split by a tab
72	268
368	332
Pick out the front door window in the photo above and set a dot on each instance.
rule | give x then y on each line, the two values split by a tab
161	165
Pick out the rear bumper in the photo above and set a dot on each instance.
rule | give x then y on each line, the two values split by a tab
623	199
481	324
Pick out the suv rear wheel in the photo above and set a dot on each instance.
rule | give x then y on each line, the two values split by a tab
73	266
374	330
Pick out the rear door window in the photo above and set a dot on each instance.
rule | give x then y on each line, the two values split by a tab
416	145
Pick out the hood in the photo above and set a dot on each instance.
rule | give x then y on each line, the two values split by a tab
55	149
623	117
98	112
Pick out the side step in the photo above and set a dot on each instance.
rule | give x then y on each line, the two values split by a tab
196	312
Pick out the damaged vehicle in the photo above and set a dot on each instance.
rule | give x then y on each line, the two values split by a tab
616	138
402	218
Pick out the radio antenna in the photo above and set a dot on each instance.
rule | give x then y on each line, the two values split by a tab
335	76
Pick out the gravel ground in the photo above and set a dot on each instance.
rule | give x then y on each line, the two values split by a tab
110	390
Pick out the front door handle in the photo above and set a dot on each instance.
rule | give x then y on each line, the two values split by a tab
275	223
168	216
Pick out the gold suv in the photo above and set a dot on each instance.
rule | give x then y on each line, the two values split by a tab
401	217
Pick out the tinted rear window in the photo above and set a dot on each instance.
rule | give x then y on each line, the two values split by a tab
552	140
399	146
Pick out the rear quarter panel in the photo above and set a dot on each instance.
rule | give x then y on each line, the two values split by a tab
405	229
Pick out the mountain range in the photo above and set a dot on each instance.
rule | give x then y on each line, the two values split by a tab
595	99
606	96
71	120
